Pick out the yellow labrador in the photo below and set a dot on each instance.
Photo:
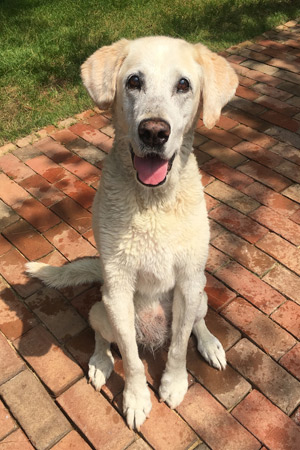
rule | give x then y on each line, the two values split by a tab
149	217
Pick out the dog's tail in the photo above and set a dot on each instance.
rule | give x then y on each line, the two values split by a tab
81	271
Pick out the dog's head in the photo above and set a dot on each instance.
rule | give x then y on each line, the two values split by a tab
154	85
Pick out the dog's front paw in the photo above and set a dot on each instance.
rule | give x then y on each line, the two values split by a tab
100	368
136	404
173	387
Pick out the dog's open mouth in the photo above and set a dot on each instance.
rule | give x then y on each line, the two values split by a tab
152	170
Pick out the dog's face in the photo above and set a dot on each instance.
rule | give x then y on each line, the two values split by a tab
158	94
155	85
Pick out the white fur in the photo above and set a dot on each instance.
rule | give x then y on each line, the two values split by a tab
77	272
153	241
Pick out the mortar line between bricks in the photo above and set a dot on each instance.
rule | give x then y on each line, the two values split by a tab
56	248
281	293
282	237
174	410
256	387
73	425
11	413
62	343
20	251
224	264
283	328
234	326
242	397
31	368
8	408
254	181
269	316
59	164
20	298
260	277
140	434
273	169
227	410
195	445
41	233
55	441
220	310
110	400
232	205
10	432
215	206
197	434
235	260
248	430
293	346
275	74
210	391
244	335
283	156
277	263
267	124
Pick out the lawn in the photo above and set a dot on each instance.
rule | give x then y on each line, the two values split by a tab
44	42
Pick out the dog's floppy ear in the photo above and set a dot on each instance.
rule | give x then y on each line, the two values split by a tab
219	83
99	72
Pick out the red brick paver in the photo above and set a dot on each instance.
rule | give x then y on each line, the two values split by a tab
34	409
268	423
250	167
91	412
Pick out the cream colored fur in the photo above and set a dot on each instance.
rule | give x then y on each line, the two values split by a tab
153	241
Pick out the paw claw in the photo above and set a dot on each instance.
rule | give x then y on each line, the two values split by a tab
100	369
212	351
137	405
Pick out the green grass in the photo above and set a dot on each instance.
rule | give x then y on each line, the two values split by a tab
44	42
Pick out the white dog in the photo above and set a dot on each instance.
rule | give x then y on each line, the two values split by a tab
149	217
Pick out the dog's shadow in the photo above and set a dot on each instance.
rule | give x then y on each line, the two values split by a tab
40	321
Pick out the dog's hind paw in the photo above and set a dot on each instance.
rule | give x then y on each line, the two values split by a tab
173	387
100	370
136	404
212	351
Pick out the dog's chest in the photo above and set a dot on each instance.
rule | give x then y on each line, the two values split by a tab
149	249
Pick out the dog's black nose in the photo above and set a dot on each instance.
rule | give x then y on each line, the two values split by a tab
154	132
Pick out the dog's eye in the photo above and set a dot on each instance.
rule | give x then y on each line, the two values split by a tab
134	82
183	85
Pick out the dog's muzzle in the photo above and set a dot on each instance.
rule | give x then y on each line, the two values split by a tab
152	168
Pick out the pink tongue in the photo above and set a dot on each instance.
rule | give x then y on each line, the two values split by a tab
152	170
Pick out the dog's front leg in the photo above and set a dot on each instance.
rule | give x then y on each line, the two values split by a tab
174	382
136	396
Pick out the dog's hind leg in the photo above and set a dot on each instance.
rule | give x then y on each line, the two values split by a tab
208	345
101	363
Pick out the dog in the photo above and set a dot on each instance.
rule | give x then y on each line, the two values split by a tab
149	215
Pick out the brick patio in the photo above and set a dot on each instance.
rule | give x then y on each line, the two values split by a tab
250	166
